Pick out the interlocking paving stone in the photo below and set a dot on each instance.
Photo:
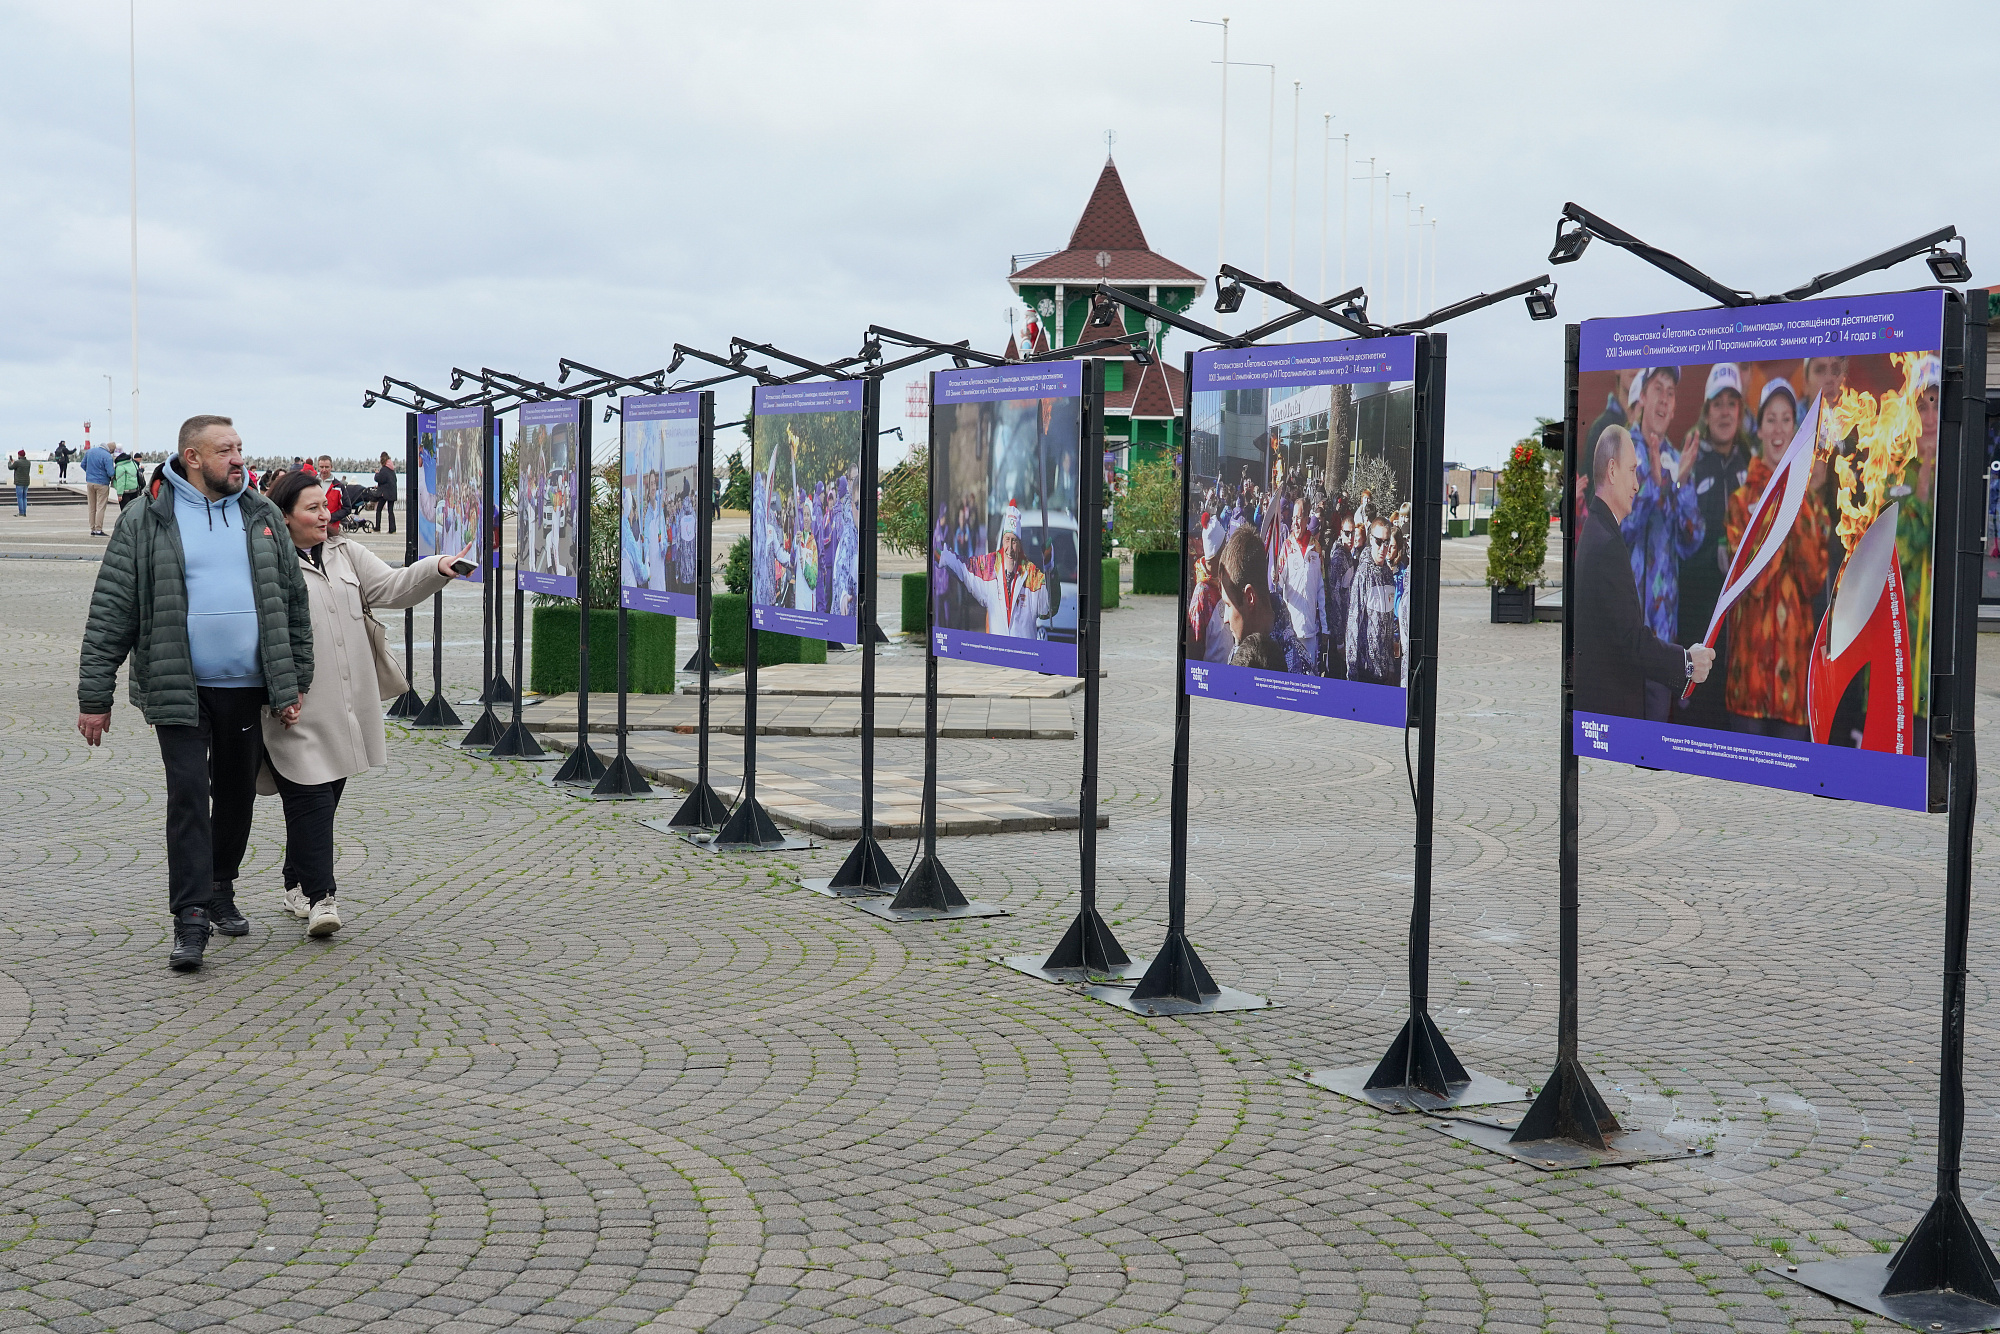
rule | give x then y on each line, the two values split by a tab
560	1072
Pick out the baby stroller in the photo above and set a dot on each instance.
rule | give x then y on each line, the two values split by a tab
352	516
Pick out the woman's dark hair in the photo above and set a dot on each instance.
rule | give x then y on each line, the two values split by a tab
285	495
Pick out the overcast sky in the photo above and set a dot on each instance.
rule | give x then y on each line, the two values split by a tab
334	192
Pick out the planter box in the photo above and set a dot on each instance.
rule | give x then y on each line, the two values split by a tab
1156	572
649	650
1458	527
1513	606
915	585
1108	584
729	613
1481	526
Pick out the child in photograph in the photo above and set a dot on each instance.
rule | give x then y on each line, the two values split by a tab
1247	606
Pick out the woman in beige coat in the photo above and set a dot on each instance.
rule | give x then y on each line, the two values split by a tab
339	732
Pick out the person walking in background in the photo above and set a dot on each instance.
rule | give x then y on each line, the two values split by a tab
385	492
22	471
338	733
98	466
200	586
125	479
62	454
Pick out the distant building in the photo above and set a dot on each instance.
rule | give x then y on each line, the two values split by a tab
1141	403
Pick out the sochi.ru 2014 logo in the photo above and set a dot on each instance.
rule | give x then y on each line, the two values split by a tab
1200	677
1599	734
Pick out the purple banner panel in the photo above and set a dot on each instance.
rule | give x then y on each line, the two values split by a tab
659	407
806	624
1358	701
460	419
1051	658
997	384
825	396
1795	766
1842	327
1338	361
660	600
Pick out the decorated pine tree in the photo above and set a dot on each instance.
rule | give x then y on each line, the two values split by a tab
1520	524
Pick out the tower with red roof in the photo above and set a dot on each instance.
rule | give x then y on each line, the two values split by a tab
1141	403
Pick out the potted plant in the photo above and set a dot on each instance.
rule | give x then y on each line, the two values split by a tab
1519	534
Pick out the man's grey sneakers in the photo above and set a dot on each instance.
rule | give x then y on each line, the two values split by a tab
296	902
191	932
325	918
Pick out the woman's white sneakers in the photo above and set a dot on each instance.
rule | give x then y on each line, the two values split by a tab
325	918
295	902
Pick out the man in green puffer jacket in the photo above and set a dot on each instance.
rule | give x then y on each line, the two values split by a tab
201	586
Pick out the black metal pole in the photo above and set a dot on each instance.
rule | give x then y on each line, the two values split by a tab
703	808
1569	1106
929	886
867	868
1089	946
517	742
408	704
486	730
437	713
751	826
1420	1062
1177	972
584	765
1946	1254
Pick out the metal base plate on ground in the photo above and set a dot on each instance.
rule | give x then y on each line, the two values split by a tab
1351	1082
1858	1282
703	838
1031	964
1165	1007
586	794
879	907
824	885
1561	1155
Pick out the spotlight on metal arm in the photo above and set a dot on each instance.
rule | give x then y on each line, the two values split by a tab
1541	294
1570	245
962	349
1337	311
1948	267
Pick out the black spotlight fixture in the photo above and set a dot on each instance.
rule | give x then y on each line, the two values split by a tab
457	381
1542	305
1948	268
871	349
1141	356
960	363
367	399
1228	296
1569	247
1357	309
1103	313
608	410
673	367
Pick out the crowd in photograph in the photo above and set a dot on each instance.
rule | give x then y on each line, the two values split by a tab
813	536
1297	577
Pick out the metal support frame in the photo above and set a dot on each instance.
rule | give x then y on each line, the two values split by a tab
409	704
1944	1276
1420	1072
703	808
583	765
866	869
486	728
1569	1126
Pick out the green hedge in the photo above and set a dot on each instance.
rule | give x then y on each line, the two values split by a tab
649	639
1108	584
915	585
728	614
1156	572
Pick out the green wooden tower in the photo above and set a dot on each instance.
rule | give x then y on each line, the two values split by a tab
1108	245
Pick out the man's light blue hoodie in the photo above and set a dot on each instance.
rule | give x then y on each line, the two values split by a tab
222	606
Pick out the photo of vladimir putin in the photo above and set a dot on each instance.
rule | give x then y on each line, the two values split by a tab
1617	652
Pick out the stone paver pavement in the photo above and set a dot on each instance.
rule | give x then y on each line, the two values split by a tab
562	1073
